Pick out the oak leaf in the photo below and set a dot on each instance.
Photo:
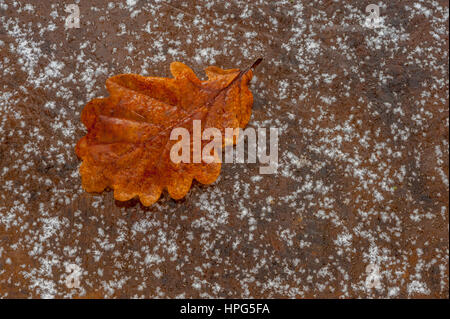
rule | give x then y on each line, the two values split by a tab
127	145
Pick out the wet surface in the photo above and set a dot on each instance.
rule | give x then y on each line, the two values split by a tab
363	152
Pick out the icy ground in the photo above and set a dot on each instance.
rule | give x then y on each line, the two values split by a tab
363	171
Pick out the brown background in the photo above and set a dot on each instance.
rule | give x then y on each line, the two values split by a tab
363	168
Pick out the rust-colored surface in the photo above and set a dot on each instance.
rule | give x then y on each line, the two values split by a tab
128	145
363	167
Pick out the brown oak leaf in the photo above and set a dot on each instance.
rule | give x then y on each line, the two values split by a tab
127	145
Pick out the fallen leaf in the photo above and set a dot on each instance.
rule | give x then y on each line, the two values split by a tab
127	146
